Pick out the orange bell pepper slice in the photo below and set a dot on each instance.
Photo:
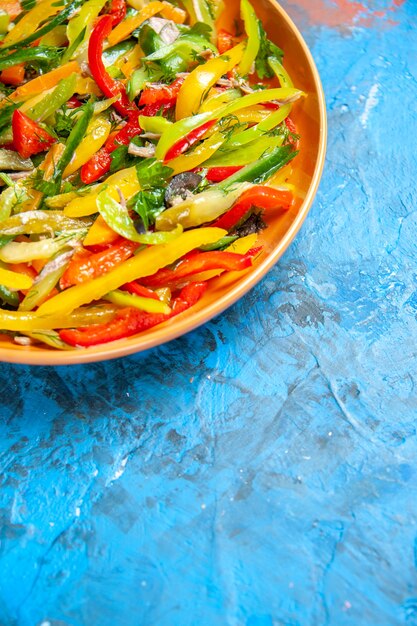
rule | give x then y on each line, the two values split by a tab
13	75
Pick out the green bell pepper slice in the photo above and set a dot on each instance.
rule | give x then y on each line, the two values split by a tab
39	222
254	37
123	299
252	152
54	100
280	72
4	22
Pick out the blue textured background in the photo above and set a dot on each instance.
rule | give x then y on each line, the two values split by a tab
260	471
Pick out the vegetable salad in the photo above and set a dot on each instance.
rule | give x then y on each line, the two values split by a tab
141	146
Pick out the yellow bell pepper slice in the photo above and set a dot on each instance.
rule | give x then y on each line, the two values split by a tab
173	13
87	86
30	22
130	24
281	177
27	321
56	37
145	263
169	11
217	99
14	280
61	200
197	84
126	180
97	132
131	61
100	233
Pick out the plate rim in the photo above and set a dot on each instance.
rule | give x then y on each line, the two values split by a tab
184	325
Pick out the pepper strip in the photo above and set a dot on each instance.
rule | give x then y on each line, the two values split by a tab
14	280
13	75
124	299
131	321
201	262
189	140
45	81
259	196
200	155
22	321
254	37
139	290
124	29
197	84
145	263
106	83
117	11
85	266
217	174
161	94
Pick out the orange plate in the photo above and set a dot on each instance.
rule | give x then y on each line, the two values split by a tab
310	118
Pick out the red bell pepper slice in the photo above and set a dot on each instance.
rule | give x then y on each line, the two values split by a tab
108	85
161	94
100	162
189	140
130	321
217	174
140	290
224	41
117	11
86	266
96	167
293	129
257	196
274	106
200	262
28	137
73	103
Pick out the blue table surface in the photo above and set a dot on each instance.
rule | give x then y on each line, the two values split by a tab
260	471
